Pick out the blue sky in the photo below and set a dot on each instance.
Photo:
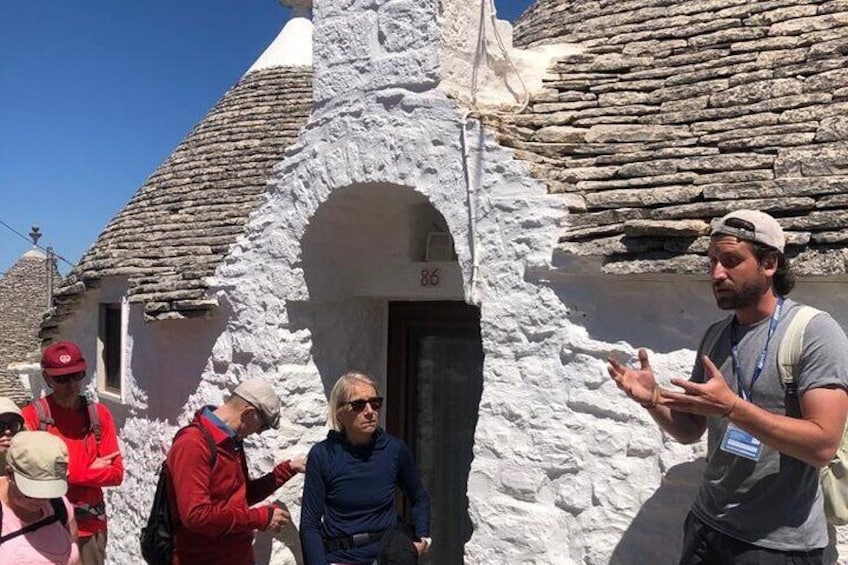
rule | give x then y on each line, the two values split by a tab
94	95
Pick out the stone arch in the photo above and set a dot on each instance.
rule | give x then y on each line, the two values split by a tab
363	247
398	143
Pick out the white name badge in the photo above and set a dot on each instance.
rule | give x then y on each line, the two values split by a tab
739	442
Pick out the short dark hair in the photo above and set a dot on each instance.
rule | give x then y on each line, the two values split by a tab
784	279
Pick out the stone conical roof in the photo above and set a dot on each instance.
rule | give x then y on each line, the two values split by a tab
23	292
679	111
180	224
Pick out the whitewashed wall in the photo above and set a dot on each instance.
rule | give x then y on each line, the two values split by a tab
566	470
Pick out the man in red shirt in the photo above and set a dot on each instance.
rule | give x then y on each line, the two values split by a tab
214	521
94	458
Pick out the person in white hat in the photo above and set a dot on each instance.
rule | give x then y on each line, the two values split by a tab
760	501
38	525
215	518
11	422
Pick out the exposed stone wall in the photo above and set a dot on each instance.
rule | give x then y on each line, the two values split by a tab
23	303
678	112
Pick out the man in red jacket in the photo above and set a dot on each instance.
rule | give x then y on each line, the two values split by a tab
212	494
94	459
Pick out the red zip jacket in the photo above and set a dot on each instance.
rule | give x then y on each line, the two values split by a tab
214	523
84	483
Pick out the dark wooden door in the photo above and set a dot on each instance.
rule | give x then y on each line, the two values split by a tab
435	379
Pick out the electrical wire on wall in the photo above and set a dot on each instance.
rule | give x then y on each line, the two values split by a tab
471	202
480	55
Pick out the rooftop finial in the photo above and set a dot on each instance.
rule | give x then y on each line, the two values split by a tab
35	235
293	45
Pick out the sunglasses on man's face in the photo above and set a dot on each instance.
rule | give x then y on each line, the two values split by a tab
358	405
263	425
12	426
65	379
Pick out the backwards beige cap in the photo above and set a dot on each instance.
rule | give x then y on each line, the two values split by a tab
752	225
39	461
263	397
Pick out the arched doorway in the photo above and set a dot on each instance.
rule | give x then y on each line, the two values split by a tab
386	296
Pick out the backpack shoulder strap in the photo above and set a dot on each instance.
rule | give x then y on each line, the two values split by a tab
792	347
59	510
210	441
213	448
90	408
46	521
42	410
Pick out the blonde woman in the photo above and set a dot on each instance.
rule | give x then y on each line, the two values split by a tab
349	491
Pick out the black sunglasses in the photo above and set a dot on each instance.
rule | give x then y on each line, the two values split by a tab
65	379
12	426
358	405
264	427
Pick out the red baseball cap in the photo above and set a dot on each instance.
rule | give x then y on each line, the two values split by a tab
62	358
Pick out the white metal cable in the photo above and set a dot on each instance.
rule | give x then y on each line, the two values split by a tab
471	202
470	180
470	188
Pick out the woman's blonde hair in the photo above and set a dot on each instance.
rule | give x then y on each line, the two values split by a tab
341	393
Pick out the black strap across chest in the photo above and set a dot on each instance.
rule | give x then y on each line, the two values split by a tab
60	513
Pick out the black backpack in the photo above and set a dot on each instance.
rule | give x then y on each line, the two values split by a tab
60	514
157	541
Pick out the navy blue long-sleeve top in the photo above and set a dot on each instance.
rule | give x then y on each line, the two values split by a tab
351	490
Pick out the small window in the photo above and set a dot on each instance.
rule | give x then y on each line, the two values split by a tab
109	364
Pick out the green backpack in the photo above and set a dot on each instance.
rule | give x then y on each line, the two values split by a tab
834	476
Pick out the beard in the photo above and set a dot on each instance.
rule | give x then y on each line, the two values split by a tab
747	294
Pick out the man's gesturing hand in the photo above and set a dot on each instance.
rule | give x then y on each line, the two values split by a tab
639	384
713	397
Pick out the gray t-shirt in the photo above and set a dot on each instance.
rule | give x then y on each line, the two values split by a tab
775	502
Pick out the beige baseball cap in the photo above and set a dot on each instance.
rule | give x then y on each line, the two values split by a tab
39	461
751	225
8	406
263	397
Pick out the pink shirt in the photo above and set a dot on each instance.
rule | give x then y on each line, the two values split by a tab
49	545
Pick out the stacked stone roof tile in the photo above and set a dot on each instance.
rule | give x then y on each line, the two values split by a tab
180	224
23	293
677	112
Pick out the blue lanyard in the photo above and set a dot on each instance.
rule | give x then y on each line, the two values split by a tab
761	361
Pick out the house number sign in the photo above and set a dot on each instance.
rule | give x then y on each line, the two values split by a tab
430	277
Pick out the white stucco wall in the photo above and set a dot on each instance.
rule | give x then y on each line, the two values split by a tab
566	470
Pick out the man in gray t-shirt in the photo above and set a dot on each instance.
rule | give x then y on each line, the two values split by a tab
760	501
